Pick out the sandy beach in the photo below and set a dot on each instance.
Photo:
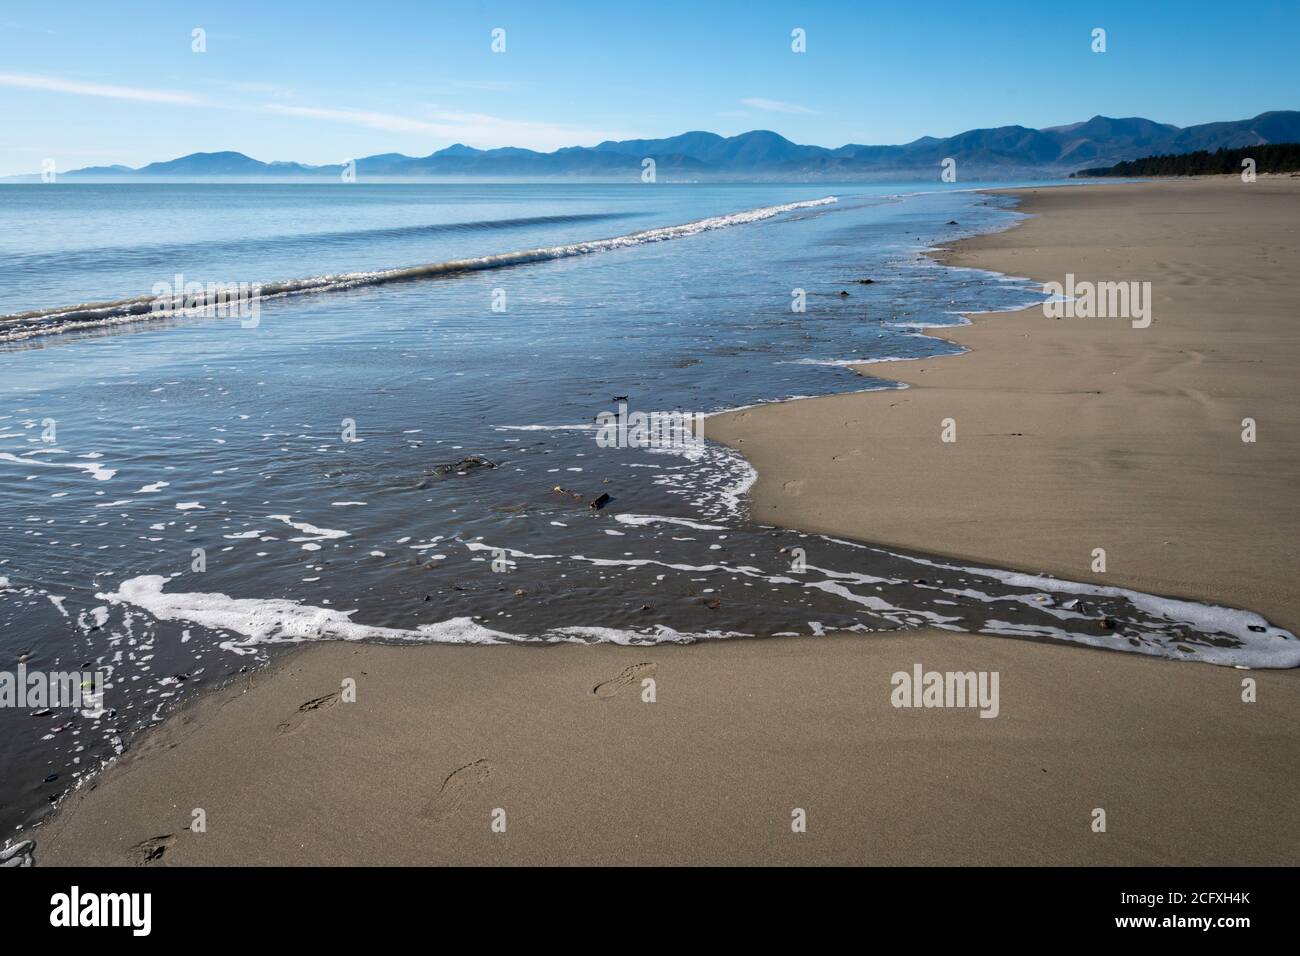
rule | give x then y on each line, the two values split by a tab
1072	435
1077	434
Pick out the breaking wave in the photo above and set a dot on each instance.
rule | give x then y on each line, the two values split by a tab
23	325
161	254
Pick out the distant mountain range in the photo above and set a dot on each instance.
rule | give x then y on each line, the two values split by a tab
1004	152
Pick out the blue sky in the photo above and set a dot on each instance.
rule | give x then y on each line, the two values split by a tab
94	83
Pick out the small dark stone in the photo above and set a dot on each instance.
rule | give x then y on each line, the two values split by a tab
1255	627
466	464
51	778
597	503
1108	624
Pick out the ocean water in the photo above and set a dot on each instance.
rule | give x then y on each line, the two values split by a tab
406	450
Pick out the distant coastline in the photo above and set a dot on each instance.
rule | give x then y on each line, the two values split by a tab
1007	152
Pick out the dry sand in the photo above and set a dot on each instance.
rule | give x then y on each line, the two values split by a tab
1076	434
1071	435
740	734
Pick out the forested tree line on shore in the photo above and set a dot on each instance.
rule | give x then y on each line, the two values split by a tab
1270	158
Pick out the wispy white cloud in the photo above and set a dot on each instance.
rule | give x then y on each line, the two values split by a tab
264	89
476	129
62	151
774	106
53	84
10	25
389	122
490	86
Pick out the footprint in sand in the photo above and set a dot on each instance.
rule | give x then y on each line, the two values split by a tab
456	788
303	712
793	488
628	675
152	850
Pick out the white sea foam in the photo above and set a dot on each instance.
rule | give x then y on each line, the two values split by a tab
849	362
642	520
24	325
1261	644
281	621
589	427
313	533
961	321
95	470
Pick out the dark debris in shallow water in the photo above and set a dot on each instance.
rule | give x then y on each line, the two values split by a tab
464	466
